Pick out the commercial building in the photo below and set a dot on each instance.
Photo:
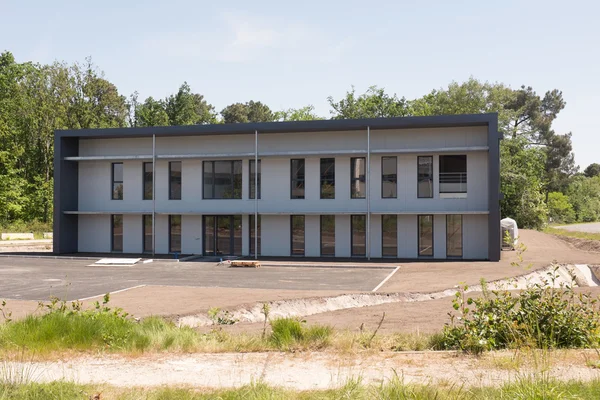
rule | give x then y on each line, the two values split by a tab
408	188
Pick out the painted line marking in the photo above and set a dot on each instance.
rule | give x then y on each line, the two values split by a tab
386	278
115	292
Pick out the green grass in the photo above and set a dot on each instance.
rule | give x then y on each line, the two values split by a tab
574	234
289	333
38	228
540	388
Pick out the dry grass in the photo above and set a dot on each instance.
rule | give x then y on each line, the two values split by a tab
573	234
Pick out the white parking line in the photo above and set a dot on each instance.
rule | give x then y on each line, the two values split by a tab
386	278
116	291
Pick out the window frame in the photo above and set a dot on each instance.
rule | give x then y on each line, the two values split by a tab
292	235
292	180
144	164
171	233
419	236
396	177
431	179
213	179
440	174
382	236
171	197
353	179
352	254
461	236
323	180
321	235
112	179
251	179
144	249
112	233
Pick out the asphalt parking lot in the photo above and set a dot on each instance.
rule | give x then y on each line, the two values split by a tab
41	278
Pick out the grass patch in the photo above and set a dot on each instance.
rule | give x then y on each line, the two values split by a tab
36	227
292	333
573	234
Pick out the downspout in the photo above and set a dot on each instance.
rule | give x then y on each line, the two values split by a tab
368	192
256	194
153	195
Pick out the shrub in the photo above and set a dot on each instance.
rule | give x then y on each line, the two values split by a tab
539	316
559	208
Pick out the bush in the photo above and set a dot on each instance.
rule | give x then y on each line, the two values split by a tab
559	208
539	316
290	332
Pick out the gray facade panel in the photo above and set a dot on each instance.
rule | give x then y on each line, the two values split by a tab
65	195
494	191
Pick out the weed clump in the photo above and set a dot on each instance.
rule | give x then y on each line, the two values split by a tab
290	333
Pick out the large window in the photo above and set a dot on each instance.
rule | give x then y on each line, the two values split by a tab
251	221
252	179
425	177
389	177
453	174
359	235
425	235
117	181
328	178
147	221
297	233
389	236
148	178
454	246
116	222
175	233
327	235
358	186
222	179
175	180
297	178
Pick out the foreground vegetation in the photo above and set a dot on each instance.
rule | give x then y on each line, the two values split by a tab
525	388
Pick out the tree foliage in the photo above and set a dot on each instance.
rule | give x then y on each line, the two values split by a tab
252	111
374	103
592	170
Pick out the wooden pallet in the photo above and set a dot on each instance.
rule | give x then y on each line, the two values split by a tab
245	264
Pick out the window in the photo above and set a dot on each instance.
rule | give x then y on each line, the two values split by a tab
116	232
117	181
425	177
297	227
252	180
389	177
174	233
358	187
327	235
222	235
222	179
148	177
147	233
175	180
297	178
389	236
454	235
425	235
328	178
251	221
359	235
453	174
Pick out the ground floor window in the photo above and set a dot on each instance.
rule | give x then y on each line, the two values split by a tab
297	234
359	235
147	232
454	247
327	235
175	233
222	235
116	233
425	235
251	222
389	236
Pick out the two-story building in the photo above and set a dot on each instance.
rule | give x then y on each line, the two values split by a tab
408	188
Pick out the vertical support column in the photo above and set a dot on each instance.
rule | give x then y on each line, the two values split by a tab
368	179
494	237
256	194
153	195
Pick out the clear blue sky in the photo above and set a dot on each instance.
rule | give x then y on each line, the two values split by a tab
293	54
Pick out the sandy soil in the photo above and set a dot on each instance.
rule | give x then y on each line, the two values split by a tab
305	371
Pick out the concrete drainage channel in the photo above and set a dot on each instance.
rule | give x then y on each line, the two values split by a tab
580	274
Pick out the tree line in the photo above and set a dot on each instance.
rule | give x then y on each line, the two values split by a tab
539	178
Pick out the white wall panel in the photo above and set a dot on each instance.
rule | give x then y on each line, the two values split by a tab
191	234
407	236
275	235
132	234
439	236
475	237
94	233
376	236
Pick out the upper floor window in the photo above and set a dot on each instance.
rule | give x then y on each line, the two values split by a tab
254	179
117	181
425	177
148	178
222	179
175	180
358	186
453	174
297	178
389	178
328	178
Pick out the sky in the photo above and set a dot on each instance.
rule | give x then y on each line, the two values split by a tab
291	54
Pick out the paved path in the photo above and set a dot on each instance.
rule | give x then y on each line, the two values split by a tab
593	227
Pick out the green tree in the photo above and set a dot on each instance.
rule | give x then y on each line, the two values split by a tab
559	208
297	114
374	103
187	108
252	111
592	170
584	195
151	113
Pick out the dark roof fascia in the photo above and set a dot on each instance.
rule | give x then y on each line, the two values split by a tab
437	121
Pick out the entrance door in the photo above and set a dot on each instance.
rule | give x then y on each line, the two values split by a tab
222	235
